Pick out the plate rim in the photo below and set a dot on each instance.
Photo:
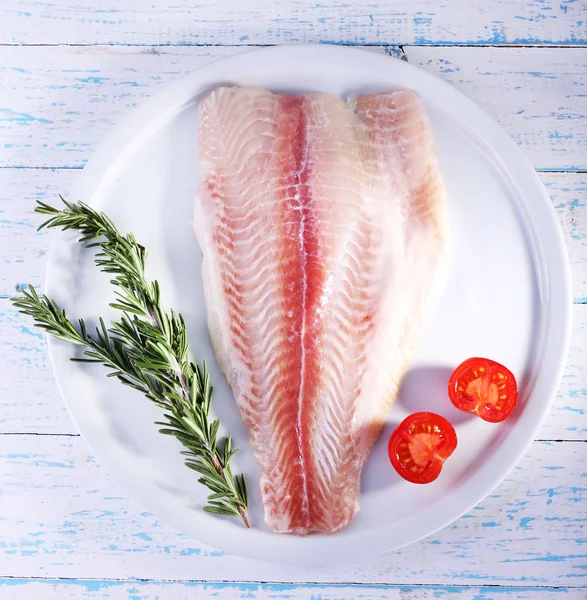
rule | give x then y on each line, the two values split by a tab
558	301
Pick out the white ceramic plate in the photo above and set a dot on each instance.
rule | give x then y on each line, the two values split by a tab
508	298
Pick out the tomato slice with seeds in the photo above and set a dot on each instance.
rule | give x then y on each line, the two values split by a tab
484	387
420	445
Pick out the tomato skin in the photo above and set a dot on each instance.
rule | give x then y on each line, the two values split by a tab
484	387
419	446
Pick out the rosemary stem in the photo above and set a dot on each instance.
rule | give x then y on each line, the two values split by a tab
245	516
146	349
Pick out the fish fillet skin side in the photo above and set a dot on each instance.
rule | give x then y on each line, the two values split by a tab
324	233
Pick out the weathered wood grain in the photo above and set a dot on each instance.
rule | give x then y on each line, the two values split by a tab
55	589
569	196
538	95
73	96
293	21
60	513
24	250
63	516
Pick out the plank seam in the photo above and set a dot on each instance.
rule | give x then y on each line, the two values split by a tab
27	433
333	43
61	168
322	584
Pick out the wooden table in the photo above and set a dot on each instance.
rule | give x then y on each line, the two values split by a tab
70	71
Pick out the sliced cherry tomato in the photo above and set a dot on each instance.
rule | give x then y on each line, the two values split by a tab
420	445
484	387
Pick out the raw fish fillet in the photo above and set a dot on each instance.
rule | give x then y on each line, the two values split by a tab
323	228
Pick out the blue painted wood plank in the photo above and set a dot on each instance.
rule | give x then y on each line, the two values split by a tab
29	400
57	104
538	99
294	21
61	515
24	250
71	519
59	589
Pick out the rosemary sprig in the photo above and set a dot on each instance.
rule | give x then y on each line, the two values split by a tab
146	349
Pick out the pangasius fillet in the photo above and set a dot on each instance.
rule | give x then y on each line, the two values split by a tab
323	229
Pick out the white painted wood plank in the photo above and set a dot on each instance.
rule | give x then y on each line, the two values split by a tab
29	401
24	251
57	103
29	398
569	196
23	589
286	21
62	516
538	95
